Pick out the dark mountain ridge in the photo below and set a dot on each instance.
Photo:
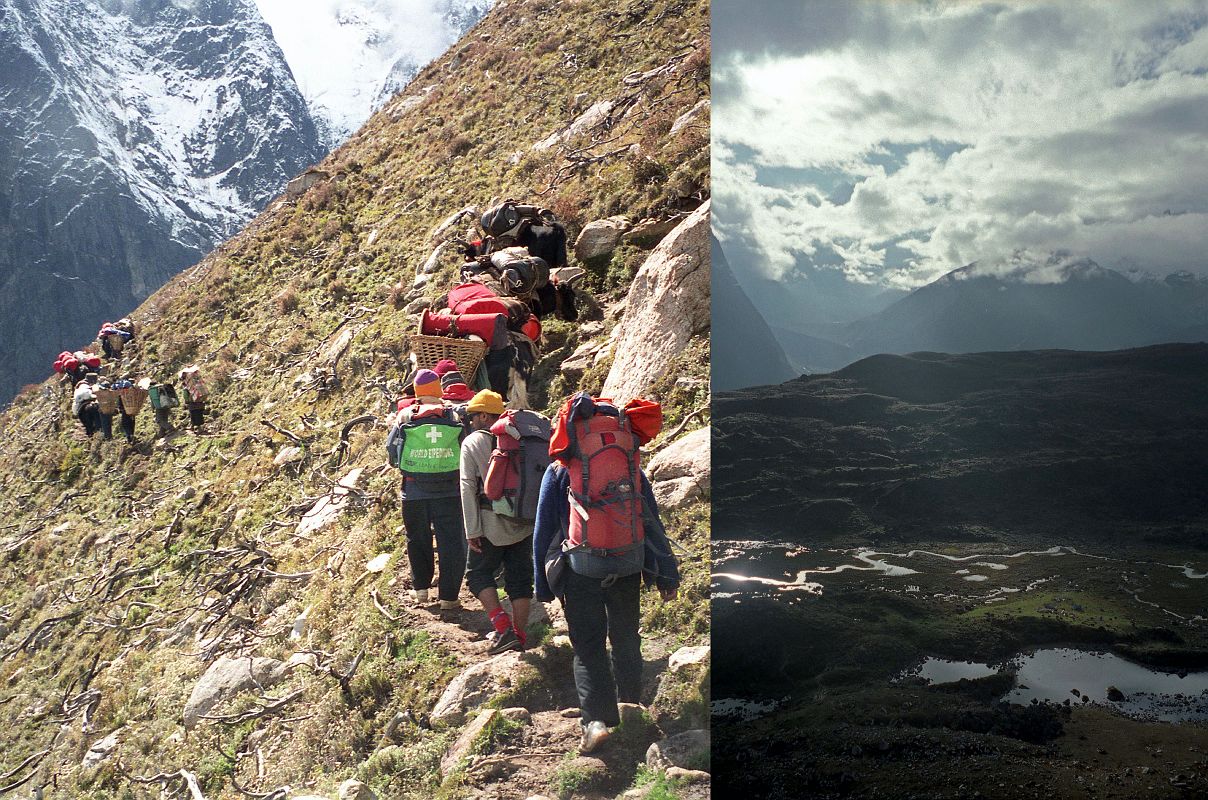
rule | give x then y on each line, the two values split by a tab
1075	445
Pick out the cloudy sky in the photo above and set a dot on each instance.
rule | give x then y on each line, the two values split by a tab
892	142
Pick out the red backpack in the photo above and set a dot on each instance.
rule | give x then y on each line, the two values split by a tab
606	537
517	466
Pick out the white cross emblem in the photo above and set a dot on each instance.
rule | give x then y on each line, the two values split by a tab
433	435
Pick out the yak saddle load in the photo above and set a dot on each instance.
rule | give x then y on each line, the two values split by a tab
600	445
512	226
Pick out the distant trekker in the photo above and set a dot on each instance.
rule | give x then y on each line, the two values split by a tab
196	395
425	445
163	400
502	461
131	398
107	406
113	337
84	408
597	533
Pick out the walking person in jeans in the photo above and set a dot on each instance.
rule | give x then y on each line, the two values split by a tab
425	444
599	610
495	539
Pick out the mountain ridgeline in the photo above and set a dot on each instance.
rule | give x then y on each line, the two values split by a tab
134	136
227	611
1020	303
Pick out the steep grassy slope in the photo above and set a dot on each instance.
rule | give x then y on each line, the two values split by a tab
127	570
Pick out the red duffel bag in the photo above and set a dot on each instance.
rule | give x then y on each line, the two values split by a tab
475	298
93	362
491	328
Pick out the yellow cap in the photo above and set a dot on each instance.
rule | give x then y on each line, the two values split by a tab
487	402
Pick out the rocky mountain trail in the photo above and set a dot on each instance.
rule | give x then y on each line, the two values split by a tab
128	572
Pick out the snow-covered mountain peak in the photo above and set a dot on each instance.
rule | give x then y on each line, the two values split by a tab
134	136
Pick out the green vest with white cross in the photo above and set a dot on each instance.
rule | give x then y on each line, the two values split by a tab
432	446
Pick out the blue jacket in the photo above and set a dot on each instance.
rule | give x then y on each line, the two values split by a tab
553	525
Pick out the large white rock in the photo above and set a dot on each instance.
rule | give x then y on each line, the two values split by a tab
226	678
475	686
329	507
687	656
461	748
600	237
353	789
697	115
681	472
584	122
101	750
667	305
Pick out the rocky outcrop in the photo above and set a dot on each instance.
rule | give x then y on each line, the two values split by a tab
101	750
668	304
353	789
226	678
688	656
328	508
461	748
680	473
697	115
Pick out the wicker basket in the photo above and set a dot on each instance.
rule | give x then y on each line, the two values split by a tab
117	343
429	349
133	399
106	400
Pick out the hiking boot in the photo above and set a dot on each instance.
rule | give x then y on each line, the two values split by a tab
595	733
450	605
508	640
419	595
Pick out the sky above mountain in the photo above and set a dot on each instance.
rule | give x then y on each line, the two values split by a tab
345	53
894	142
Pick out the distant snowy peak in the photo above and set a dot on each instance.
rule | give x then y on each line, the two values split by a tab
1023	266
350	56
1061	266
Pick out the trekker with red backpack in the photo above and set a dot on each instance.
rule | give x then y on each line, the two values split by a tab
597	533
425	444
502	462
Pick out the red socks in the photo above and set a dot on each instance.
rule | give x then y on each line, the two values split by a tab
500	619
523	639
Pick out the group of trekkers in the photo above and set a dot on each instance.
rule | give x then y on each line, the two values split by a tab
556	508
96	398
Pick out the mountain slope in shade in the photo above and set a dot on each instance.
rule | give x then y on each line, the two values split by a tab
134	135
744	350
810	354
1082	446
